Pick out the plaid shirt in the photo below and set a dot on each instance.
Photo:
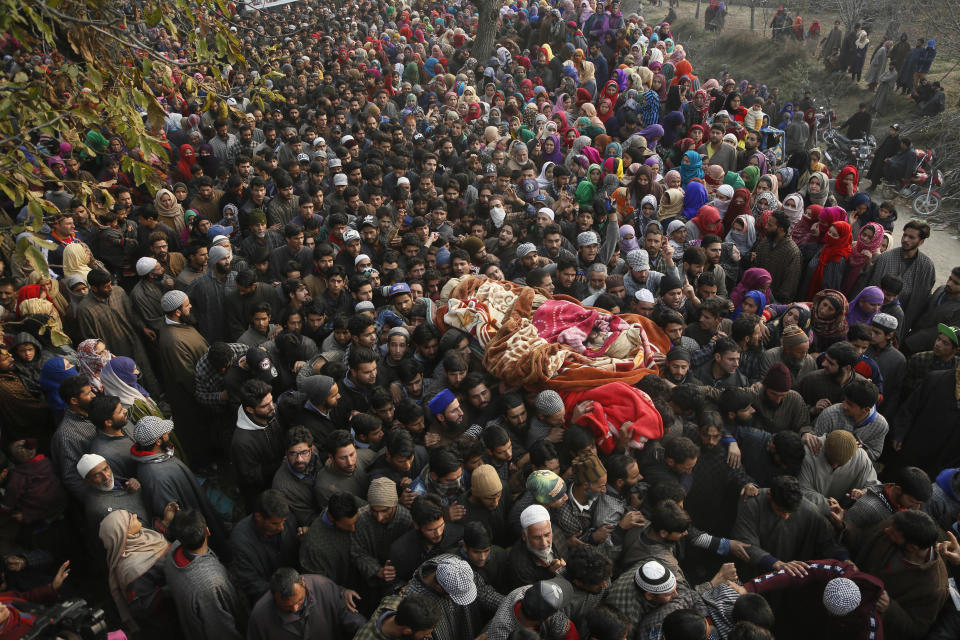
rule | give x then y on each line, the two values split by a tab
208	383
920	364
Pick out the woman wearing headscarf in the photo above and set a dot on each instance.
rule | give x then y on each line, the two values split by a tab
694	197
628	239
187	159
677	237
643	185
208	161
671	205
120	377
739	206
27	362
134	567
802	232
754	278
866	305
846	185
828	319
743	233
817	191
793	206
722	198
765	201
858	55
93	357
750	176
53	372
76	258
691	166
170	211
865	250
52	289
713	178
753	303
707	221
832	262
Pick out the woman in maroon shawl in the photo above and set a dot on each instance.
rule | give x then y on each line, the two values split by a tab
755	279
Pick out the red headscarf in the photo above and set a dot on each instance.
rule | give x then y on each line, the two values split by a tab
609	114
838	184
187	160
836	249
826	218
734	211
708	220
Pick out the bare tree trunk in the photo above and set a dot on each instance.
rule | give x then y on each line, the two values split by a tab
753	11
697	15
489	17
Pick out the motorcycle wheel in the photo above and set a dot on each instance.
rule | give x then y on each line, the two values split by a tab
926	204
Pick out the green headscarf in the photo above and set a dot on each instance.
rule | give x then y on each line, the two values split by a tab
96	141
734	180
411	73
586	190
751	176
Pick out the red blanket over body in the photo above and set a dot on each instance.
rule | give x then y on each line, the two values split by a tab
559	321
614	404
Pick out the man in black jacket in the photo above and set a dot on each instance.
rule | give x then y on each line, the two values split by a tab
887	148
257	445
263	542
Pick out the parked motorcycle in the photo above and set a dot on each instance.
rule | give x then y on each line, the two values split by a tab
843	150
919	186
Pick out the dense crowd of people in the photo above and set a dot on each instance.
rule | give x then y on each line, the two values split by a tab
550	344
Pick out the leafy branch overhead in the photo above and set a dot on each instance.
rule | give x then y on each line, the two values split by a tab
97	66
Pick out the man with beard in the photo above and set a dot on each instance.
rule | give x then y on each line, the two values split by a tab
316	281
105	492
165	478
779	255
537	558
345	469
73	437
106	313
209	293
259	236
325	547
197	257
146	295
293	250
109	416
381	522
297	474
262	542
180	347
256	446
775	405
323	394
485	503
479	408
514	418
793	352
823	388
915	268
750	145
248	296
747	332
172	263
358	385
449	422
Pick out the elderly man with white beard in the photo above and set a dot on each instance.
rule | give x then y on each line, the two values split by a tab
539	555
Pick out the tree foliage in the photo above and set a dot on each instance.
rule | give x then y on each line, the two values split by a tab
101	70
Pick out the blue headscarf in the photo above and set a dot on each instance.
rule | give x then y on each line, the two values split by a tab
693	170
52	375
757	296
694	197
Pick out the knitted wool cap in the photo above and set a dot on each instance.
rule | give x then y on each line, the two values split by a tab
549	403
678	353
485	482
534	514
587	238
525	249
885	321
839	447
87	462
841	596
793	336
669	282
778	378
639	260
546	486
217	253
653	577
149	429
382	493
145	265
317	388
587	469
172	300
